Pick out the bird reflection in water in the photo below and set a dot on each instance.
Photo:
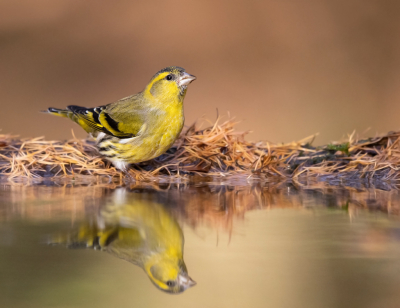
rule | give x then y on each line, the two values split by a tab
141	232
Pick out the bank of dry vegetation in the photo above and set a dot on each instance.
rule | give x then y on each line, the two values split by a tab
216	151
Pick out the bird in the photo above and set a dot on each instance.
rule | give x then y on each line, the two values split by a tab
139	127
139	231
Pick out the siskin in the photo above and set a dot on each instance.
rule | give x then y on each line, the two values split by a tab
139	127
141	232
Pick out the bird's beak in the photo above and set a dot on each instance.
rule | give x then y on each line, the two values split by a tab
186	282
185	79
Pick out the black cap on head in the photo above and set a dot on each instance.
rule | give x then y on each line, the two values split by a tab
171	69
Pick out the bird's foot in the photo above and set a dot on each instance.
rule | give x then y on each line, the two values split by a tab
129	176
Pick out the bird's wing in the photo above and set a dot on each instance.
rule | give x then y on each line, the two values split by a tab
130	113
117	119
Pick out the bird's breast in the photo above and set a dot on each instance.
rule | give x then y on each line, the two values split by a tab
158	136
166	132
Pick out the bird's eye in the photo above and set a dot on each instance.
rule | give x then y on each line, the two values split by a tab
170	283
169	77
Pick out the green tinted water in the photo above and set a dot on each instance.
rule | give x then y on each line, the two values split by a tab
243	245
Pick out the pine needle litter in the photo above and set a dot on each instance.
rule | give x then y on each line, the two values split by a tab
217	151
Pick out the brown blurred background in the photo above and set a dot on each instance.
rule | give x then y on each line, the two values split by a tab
288	69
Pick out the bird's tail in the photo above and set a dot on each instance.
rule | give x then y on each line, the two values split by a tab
58	112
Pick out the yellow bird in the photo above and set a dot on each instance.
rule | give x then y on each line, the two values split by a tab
139	127
141	232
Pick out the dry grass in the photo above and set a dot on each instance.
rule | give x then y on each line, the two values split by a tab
216	151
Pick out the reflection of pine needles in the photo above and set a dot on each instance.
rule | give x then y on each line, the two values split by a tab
217	151
212	205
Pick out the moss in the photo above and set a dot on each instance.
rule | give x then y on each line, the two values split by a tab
343	147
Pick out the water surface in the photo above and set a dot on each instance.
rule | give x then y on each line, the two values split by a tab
249	245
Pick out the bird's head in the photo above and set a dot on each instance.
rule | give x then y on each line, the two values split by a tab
169	83
170	275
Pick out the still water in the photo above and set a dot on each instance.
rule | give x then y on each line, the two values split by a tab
199	245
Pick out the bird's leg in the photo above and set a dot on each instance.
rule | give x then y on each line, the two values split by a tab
124	167
128	175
